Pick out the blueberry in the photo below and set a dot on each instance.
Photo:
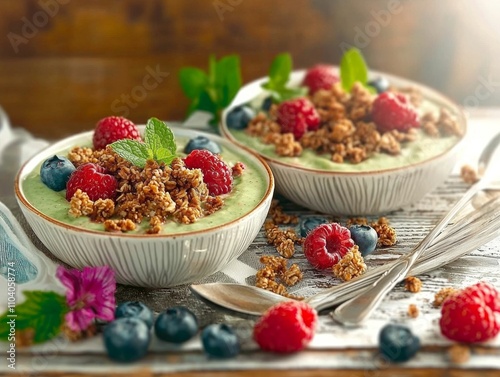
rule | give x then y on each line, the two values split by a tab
267	103
397	343
365	237
381	84
176	325
55	172
202	142
239	117
126	339
135	309
220	341
309	223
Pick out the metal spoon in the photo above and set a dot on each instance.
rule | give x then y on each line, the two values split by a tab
463	235
357	309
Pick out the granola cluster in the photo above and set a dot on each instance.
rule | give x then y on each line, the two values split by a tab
346	132
469	174
413	311
276	276
442	295
413	284
156	193
283	240
350	266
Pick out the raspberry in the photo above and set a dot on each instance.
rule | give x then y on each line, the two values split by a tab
471	315
286	327
325	245
297	116
91	178
320	76
393	111
216	174
113	128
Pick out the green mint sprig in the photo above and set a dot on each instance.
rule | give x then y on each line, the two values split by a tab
353	69
212	91
279	75
42	311
159	145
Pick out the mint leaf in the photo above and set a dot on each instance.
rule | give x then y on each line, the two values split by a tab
159	136
42	311
353	68
193	81
214	90
133	151
279	75
280	70
227	79
164	155
160	141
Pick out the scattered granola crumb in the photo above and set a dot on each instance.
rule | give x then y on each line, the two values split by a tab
351	265
279	217
75	336
442	295
459	353
386	235
276	268
413	311
413	284
237	169
357	221
469	174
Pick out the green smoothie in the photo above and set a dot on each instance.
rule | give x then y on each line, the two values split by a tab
424	148
248	190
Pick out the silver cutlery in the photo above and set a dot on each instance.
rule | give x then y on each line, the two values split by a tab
357	309
466	234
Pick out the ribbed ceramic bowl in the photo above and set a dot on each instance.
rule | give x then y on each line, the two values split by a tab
356	193
161	260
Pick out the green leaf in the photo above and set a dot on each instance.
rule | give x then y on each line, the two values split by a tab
353	68
280	70
215	90
164	155
133	151
193	81
43	311
159	136
286	94
227	79
206	103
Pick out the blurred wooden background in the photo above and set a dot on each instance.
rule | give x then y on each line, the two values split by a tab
64	64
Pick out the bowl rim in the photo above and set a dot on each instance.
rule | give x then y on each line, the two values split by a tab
298	74
90	232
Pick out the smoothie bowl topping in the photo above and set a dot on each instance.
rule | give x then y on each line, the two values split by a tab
123	180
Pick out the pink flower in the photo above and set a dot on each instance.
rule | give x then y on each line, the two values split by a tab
90	294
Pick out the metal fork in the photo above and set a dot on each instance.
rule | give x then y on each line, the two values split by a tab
357	309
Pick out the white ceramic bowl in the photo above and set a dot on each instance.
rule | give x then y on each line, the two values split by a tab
356	193
161	260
